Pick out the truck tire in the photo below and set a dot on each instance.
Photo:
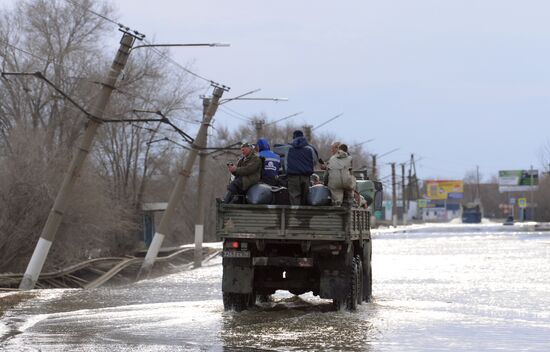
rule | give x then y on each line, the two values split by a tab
360	288
235	301
368	285
251	300
350	302
367	274
263	298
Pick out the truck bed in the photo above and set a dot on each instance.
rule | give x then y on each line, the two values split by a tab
286	222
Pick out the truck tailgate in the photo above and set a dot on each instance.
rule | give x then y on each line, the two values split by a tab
291	222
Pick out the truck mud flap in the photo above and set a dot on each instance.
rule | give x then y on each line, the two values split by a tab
237	279
333	284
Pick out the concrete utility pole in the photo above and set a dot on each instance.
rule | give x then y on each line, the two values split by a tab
409	189
179	189
478	193
73	172
393	196
532	198
404	207
259	125
374	167
307	132
199	226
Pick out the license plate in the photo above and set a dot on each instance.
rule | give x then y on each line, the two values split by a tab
236	254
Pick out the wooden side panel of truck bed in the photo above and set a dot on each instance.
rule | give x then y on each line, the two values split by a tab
292	222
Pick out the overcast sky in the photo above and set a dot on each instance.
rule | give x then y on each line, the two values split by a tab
458	83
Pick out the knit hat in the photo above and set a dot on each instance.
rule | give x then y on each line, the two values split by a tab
297	134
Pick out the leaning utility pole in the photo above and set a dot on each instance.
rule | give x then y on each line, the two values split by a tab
199	226
393	196
259	125
374	167
307	132
73	172
478	193
179	188
413	190
404	206
409	189
532	198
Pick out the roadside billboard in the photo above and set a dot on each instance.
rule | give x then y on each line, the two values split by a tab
422	203
445	189
518	180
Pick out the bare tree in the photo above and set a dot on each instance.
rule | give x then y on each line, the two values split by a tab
39	127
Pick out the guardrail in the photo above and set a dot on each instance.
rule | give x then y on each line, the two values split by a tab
96	272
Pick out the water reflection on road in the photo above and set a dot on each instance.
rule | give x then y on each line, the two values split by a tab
440	288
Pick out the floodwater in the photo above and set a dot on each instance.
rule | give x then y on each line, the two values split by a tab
436	288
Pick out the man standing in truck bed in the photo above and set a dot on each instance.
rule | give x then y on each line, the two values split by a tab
301	160
272	163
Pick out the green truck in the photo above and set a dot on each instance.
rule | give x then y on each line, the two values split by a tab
325	250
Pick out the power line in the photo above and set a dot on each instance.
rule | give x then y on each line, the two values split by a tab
47	61
157	51
177	64
235	114
239	113
95	13
27	52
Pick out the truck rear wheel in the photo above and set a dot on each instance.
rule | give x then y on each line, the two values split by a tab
236	301
350	302
367	274
360	290
263	298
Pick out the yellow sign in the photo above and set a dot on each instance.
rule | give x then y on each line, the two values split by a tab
522	202
437	189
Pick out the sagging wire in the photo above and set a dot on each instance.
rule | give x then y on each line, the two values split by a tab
97	119
183	68
44	60
57	89
229	112
215	151
165	120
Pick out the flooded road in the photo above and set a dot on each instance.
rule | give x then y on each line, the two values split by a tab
438	288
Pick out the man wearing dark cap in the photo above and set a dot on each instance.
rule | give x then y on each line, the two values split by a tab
301	160
247	172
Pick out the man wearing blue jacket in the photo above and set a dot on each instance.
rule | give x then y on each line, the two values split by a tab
301	160
272	163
